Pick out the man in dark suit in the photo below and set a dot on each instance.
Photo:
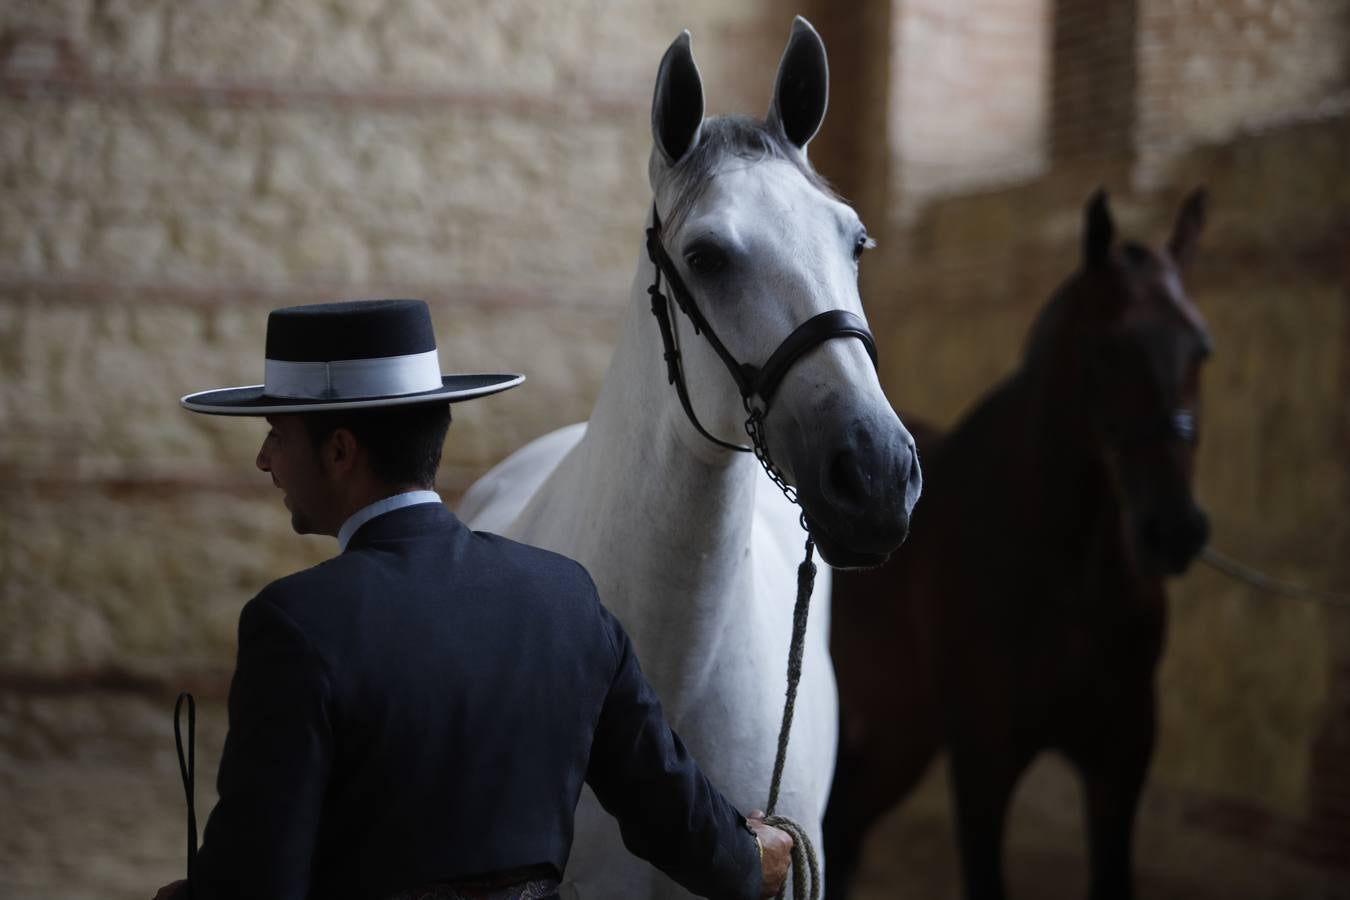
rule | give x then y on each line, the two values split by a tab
416	716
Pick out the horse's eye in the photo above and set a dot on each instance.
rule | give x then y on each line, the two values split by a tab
705	259
863	242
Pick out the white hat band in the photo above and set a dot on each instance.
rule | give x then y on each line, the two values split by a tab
351	378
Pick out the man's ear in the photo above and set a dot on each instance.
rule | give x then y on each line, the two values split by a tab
340	452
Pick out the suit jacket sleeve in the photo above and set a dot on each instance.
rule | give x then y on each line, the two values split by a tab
260	839
668	812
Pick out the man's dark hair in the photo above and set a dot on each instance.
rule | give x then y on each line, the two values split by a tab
403	442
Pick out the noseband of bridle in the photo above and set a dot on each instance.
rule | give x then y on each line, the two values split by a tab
757	384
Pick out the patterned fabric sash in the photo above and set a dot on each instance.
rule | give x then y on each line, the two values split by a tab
536	889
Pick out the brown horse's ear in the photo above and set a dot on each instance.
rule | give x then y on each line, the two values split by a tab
1190	222
677	104
1098	231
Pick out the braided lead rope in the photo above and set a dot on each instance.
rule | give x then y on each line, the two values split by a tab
1258	579
805	864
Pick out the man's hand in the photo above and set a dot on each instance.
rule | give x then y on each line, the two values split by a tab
171	891
776	853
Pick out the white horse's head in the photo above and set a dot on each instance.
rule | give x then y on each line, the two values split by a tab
762	245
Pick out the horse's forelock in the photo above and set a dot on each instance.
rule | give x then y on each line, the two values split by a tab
722	136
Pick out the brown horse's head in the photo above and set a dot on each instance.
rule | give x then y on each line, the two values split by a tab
1128	357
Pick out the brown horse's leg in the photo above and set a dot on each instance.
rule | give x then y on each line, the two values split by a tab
983	775
866	786
1113	779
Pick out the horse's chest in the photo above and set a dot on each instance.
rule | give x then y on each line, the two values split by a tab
1096	649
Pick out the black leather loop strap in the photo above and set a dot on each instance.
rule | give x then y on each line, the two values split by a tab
675	364
187	767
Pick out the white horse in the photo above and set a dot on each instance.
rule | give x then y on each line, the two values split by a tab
691	547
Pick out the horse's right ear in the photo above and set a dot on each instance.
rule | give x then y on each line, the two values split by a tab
677	105
802	90
1098	230
1190	222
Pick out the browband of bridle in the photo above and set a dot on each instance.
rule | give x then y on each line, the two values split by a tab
752	381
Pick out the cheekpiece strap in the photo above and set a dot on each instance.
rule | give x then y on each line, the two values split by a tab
674	362
685	301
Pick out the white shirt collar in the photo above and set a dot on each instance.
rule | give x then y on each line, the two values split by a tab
379	508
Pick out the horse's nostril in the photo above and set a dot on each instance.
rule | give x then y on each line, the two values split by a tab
844	478
909	466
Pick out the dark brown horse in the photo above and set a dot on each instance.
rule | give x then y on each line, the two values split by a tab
1026	612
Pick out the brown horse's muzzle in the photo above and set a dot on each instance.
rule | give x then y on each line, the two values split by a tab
1171	541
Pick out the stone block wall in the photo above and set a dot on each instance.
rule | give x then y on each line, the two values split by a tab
169	172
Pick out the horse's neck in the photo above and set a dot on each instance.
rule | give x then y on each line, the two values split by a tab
1062	489
661	506
1064	495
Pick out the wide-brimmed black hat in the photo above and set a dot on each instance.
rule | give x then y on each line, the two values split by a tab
364	353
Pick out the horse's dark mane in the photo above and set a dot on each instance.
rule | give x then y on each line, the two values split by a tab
741	136
1045	329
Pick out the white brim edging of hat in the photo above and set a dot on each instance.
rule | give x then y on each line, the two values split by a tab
250	400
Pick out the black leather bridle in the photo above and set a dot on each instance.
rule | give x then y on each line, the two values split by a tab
757	384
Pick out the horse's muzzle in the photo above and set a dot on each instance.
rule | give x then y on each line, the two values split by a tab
1172	542
859	502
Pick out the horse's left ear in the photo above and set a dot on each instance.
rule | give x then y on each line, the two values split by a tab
1190	222
802	90
1099	231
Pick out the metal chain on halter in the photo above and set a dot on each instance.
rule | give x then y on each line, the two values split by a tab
754	427
806	882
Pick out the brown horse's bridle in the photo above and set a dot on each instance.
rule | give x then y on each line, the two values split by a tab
757	385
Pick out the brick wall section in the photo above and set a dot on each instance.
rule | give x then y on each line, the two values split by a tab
1093	73
968	106
1208	71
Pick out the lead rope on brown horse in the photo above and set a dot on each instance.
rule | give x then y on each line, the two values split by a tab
1256	578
